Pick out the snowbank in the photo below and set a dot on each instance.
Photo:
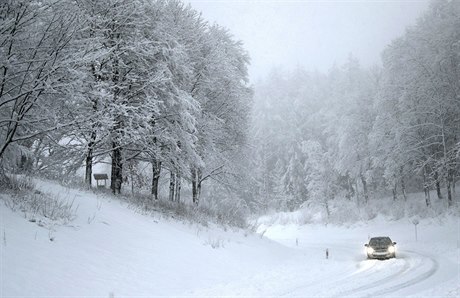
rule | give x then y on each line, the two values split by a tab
110	250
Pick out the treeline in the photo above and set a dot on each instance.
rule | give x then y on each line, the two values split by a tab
365	133
129	81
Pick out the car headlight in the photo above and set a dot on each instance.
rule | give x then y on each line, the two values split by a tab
370	250
391	249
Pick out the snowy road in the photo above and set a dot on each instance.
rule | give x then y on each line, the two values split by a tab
347	273
420	269
407	275
372	278
415	268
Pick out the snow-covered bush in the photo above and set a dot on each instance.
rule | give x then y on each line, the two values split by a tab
22	196
214	242
17	183
343	211
219	212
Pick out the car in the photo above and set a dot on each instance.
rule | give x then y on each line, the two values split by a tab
380	248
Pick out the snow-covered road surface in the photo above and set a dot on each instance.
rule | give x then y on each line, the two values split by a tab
371	278
429	267
410	274
112	250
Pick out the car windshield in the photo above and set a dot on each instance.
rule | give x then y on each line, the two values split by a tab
380	241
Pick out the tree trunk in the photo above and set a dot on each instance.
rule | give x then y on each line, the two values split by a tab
194	186
132	182
454	193
395	196
350	190
328	212
89	159
403	184
357	192
4	181
92	141
172	186
200	181
89	167
117	164
449	188
117	169
426	189
156	170
178	186
37	154
365	190
438	185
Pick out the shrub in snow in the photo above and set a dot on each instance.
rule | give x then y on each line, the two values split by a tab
343	211
222	213
348	211
215	243
22	196
17	183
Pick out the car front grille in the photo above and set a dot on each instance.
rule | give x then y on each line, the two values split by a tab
381	250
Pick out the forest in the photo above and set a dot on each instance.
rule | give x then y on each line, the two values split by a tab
363	133
163	97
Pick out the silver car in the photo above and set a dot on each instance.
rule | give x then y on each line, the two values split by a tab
380	248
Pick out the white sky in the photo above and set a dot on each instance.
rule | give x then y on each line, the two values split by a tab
314	34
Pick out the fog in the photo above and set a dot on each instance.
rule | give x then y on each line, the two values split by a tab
314	34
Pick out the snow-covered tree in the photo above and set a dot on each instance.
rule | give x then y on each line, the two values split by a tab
220	87
348	139
34	71
420	97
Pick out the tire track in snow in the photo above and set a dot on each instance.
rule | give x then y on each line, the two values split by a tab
407	269
408	273
415	280
377	283
329	283
291	292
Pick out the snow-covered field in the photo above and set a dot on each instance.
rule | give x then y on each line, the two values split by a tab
111	251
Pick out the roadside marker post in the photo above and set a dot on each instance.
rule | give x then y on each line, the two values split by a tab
415	222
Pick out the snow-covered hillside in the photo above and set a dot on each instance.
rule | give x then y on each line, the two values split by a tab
110	250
